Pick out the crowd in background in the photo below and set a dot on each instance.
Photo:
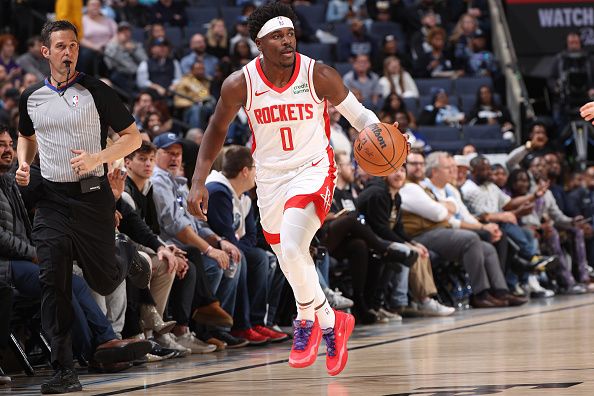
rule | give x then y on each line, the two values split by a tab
479	233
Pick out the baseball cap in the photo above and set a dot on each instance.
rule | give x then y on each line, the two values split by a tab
160	41
124	25
166	139
462	160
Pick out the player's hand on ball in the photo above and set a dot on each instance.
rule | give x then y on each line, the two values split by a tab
587	112
198	201
23	174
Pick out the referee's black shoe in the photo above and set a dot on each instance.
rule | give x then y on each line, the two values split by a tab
139	269
64	381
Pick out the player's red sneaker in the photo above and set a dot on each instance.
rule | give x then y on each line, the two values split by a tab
306	341
336	342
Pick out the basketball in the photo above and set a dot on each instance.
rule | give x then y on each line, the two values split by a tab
380	149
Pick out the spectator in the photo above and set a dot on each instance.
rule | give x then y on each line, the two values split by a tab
156	32
361	78
123	57
358	42
499	176
469	150
436	62
416	140
32	61
231	215
341	11
391	47
98	30
419	42
169	12
393	103
8	46
487	112
339	138
198	47
397	80
481	62
160	72
209	253
195	135
217	41
580	202
461	37
241	54
193	97
440	111
554	174
435	225
243	34
537	145
28	80
135	13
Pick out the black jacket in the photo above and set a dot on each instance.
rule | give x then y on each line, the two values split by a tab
15	228
132	225
376	203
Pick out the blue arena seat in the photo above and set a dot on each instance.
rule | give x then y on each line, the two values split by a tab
317	51
229	15
469	85
315	14
198	16
412	104
481	131
343	67
425	84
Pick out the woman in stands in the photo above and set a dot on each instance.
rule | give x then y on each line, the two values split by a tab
397	80
487	112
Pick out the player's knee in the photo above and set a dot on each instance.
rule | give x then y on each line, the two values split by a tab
291	253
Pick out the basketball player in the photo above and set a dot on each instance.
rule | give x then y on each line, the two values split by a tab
285	95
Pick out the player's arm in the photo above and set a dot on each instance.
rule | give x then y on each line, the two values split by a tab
587	112
329	85
233	96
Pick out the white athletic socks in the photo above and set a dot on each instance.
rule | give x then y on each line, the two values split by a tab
325	315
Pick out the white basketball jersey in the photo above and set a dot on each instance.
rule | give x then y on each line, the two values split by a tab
290	125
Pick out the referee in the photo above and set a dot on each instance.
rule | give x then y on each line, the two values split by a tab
66	118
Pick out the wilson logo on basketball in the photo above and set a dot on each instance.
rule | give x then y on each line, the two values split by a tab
378	134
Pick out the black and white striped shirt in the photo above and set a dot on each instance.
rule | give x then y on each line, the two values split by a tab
79	119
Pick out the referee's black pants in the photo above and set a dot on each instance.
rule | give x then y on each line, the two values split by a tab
71	226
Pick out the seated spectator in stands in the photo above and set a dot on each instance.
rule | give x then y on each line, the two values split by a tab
8	46
243	34
192	96
436	62
28	80
545	221
160	72
486	201
217	39
461	37
365	81
384	11
143	104
198	47
440	111
195	135
419	43
463	166
123	57
92	335
241	54
357	42
231	216
394	103
397	80
580	201
435	225
9	105
339	138
487	112
554	173
341	11
537	145
156	31
169	12
135	13
32	61
469	150
481	62
209	253
380	203
391	47
98	30
499	176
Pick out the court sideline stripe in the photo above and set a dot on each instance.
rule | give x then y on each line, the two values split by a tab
374	344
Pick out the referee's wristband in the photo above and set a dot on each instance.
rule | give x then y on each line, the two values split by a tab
208	249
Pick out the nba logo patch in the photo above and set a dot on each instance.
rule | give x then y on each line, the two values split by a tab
75	101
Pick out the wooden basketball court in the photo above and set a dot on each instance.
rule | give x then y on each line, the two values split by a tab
543	348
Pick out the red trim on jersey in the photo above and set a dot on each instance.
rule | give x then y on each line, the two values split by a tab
250	78
309	82
327	120
272	239
322	198
251	129
290	83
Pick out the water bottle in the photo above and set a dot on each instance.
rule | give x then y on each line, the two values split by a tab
231	270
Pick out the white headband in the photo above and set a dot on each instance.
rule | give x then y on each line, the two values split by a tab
273	24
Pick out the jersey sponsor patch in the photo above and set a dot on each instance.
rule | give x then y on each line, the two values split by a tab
301	88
